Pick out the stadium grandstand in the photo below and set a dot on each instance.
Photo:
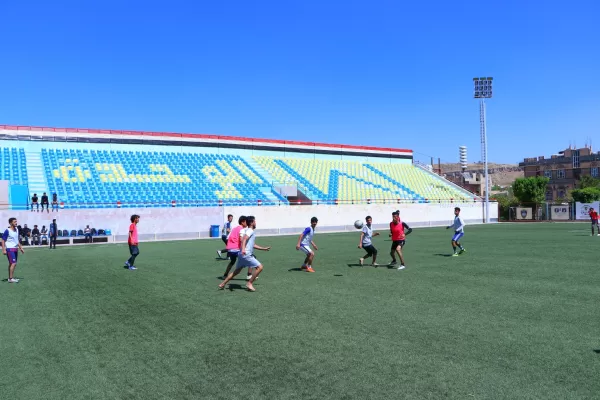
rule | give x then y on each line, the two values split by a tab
91	169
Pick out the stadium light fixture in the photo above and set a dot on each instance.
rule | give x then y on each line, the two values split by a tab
482	91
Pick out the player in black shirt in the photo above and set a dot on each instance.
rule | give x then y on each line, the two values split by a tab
45	201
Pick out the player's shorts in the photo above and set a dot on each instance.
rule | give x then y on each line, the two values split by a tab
370	249
306	250
397	243
233	254
457	236
595	222
247	261
134	250
224	239
12	255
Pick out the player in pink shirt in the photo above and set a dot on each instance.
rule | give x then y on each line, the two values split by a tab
233	244
133	243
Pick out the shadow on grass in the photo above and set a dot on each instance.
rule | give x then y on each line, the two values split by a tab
222	278
443	255
234	286
296	269
597	351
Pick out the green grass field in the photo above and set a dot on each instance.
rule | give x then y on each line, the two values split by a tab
516	317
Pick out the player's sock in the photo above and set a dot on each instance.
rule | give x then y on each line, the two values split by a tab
454	248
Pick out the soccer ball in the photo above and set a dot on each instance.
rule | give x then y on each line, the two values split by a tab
358	224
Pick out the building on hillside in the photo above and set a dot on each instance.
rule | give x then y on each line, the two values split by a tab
564	169
474	182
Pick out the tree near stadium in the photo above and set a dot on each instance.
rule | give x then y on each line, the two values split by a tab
586	195
531	190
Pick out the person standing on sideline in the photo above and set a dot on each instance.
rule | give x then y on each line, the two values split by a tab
134	251
53	234
459	231
11	247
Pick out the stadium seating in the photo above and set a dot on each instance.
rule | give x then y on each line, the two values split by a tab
110	178
14	166
101	178
331	180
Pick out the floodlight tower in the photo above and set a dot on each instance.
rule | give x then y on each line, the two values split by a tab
462	157
483	90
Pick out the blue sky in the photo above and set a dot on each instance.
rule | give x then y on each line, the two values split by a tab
381	73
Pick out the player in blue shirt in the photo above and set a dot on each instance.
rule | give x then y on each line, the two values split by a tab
11	247
225	235
459	231
305	241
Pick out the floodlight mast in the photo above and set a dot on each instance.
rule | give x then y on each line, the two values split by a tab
482	91
462	157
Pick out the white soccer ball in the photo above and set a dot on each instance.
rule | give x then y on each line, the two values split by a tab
358	224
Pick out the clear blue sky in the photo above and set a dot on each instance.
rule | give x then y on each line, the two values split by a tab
383	73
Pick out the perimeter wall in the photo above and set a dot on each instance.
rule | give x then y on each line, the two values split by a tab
192	223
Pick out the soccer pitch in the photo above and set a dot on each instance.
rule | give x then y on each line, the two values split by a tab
514	317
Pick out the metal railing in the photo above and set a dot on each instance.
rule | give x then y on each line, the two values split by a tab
230	203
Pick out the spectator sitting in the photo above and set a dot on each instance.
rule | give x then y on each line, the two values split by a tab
35	236
87	232
34	202
54	202
45	202
43	234
26	234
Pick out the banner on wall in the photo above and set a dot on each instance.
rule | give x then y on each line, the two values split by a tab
559	212
582	210
524	213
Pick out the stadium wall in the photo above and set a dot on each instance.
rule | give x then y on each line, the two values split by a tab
193	223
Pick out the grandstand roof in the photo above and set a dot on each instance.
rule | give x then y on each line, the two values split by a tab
36	133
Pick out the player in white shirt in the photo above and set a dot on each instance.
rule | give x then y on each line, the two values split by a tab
365	242
246	256
305	241
11	247
459	231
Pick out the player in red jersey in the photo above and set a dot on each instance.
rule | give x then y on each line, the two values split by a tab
594	218
133	242
398	232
